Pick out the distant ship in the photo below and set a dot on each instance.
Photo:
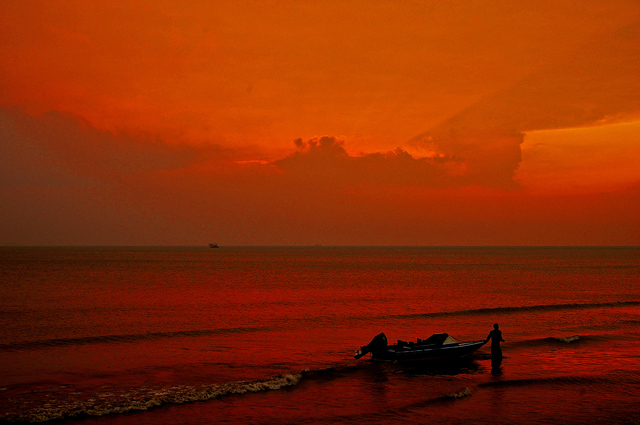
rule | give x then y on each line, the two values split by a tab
213	245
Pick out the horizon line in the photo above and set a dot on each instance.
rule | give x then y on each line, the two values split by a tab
314	246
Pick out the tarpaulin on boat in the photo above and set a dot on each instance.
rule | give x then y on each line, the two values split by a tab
439	339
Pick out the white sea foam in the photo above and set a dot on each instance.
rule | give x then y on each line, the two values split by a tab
573	338
460	394
144	398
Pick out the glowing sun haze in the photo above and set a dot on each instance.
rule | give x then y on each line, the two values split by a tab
320	122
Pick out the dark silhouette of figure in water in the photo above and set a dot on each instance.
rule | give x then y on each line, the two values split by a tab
496	351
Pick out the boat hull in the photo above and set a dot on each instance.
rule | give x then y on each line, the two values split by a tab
443	352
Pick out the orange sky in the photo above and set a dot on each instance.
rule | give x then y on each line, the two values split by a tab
320	122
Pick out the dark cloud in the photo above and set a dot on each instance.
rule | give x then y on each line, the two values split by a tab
325	161
60	147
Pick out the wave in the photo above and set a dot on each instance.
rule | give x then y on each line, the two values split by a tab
552	340
567	339
520	309
144	399
557	380
461	394
130	338
118	339
131	400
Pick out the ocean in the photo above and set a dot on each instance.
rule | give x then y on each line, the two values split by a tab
266	335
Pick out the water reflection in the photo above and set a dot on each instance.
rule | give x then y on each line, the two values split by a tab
496	366
451	368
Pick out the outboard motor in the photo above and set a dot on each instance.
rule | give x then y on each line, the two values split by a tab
378	343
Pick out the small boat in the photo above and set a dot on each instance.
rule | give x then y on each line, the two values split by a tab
213	245
440	346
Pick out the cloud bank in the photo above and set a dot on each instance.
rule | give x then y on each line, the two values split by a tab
63	181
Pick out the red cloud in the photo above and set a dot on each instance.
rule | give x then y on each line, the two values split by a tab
325	159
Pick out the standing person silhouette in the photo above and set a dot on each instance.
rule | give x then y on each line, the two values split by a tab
496	338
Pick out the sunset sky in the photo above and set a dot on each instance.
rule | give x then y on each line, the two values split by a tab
320	122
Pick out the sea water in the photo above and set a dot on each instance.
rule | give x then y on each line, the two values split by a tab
266	335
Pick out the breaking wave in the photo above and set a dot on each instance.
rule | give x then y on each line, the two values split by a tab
532	308
143	398
568	339
107	401
460	394
118	339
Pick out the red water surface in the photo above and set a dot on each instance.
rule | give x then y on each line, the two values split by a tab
266	335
